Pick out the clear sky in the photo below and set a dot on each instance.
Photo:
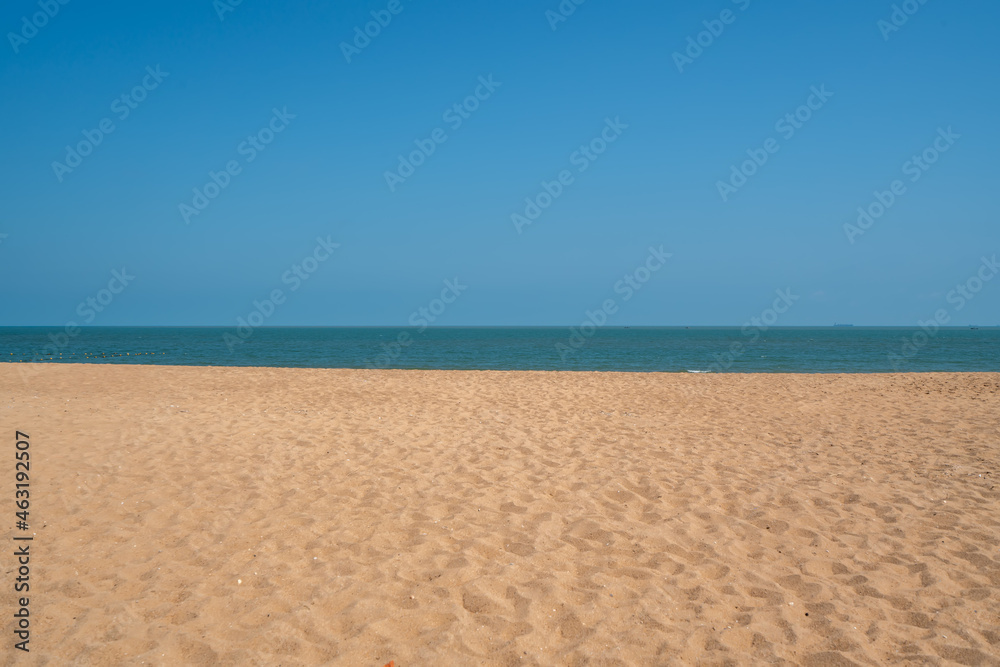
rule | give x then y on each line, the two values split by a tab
209	85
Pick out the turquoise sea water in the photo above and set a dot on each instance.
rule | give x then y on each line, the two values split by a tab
676	349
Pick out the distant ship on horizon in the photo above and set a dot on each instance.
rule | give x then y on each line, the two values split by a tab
842	325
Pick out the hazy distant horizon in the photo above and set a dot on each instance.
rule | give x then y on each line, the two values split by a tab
564	325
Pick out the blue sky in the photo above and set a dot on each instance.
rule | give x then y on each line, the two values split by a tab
343	125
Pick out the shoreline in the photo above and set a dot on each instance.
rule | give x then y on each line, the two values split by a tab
34	365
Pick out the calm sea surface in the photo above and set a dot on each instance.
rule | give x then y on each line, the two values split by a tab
676	349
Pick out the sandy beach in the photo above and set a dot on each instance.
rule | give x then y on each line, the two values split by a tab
295	516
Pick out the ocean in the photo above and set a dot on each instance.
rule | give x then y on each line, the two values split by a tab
640	349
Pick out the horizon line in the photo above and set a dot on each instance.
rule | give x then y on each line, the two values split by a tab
488	326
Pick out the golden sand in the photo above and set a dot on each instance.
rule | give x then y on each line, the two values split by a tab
266	516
